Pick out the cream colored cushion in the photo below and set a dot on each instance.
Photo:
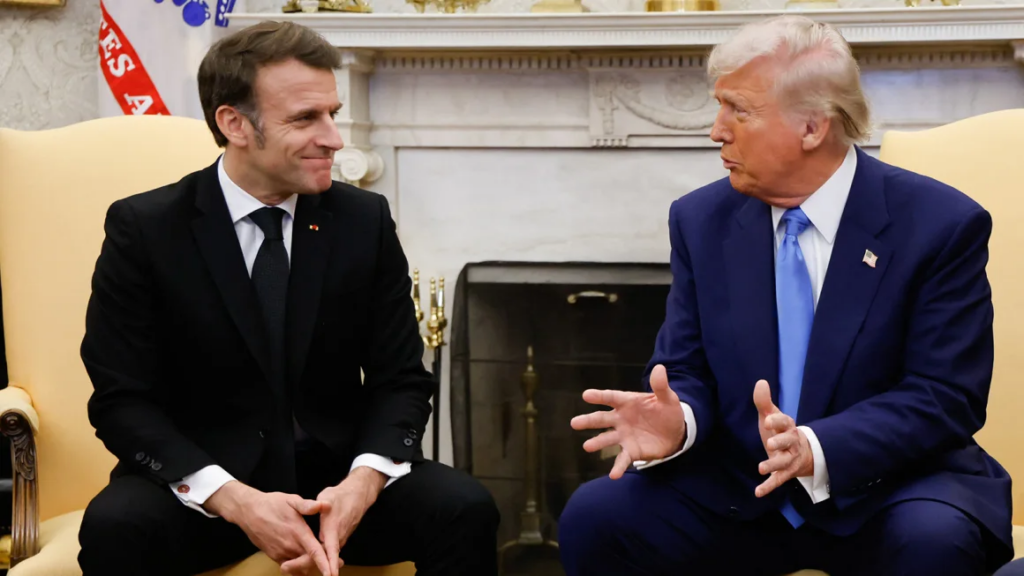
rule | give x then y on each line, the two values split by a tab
59	557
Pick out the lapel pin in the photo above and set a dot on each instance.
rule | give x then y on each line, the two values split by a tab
870	258
314	227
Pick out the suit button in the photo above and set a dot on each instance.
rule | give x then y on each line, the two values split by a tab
156	466
407	442
140	456
263	433
734	512
412	434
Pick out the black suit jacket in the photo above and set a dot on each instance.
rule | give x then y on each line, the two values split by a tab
178	354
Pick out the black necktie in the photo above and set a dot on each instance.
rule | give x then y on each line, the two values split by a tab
270	277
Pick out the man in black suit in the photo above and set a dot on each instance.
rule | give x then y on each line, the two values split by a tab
231	317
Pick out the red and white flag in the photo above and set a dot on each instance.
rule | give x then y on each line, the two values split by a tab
150	52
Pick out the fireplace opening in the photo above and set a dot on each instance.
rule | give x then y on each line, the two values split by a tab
527	340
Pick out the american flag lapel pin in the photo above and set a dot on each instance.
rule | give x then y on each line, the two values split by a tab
314	227
870	258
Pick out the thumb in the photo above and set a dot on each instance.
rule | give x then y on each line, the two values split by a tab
305	507
763	398
660	387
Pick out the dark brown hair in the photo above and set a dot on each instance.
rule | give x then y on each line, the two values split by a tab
227	75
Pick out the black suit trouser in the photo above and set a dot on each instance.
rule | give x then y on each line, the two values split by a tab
441	519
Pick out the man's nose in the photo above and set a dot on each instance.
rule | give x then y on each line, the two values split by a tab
718	131
330	137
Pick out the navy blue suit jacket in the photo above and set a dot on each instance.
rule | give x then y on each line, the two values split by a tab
898	368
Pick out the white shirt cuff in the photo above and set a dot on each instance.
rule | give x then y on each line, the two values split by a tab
383	465
691	437
196	488
817	486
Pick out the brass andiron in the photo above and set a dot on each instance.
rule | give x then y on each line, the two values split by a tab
432	340
530	533
330	6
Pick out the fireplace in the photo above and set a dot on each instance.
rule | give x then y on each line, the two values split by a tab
547	331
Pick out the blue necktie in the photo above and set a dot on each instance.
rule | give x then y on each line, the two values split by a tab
795	302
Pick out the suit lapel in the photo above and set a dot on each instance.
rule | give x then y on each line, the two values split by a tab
850	287
218	243
750	261
311	247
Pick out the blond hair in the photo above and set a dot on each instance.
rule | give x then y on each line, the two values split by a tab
820	73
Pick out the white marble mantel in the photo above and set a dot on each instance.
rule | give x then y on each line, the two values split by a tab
992	25
627	79
563	138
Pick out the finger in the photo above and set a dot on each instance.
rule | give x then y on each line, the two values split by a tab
779	422
297	566
329	537
594	420
305	507
660	387
613	398
783	441
622	462
763	398
316	552
333	551
769	485
602	440
780	461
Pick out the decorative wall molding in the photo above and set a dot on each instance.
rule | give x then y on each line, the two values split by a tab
358	166
995	25
893	57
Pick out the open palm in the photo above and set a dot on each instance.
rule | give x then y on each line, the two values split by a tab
647	426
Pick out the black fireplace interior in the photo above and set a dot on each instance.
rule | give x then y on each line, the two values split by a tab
589	326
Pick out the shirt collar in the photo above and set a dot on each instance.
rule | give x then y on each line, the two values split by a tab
241	203
825	207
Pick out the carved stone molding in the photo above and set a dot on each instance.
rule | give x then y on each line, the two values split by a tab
648	103
25	521
356	163
888	57
358	166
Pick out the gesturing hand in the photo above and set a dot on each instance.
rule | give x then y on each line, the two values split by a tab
789	452
647	426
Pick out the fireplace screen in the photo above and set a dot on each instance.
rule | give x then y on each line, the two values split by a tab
527	340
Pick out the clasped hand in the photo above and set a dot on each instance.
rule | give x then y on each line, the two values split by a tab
274	521
651	426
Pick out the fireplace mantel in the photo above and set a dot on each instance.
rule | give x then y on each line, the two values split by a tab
989	25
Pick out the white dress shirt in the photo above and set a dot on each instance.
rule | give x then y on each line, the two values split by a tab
824	209
193	490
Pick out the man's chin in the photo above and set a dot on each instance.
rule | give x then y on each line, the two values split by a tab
740	183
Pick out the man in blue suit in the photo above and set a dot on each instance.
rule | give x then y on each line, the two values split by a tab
825	358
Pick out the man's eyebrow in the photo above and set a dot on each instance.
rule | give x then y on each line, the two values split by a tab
312	111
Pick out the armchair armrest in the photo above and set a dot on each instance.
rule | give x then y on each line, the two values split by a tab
19	422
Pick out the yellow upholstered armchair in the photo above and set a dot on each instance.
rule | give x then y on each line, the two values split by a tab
55	188
983	157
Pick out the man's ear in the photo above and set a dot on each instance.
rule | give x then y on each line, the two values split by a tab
816	127
233	125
